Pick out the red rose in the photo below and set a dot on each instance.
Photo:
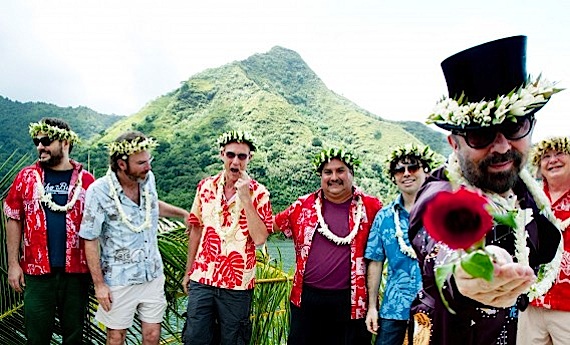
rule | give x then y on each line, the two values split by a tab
458	219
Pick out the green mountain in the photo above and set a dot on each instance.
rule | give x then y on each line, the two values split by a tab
292	113
16	116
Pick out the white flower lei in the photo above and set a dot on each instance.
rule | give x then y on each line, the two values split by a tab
404	248
47	198
218	211
548	272
326	232
124	217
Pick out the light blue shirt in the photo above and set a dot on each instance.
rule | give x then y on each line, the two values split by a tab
404	278
127	257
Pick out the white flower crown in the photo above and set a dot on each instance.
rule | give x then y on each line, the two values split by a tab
326	155
559	144
518	102
53	132
237	136
127	148
422	153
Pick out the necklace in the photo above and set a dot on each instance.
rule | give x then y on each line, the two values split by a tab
219	212
404	248
122	214
547	272
324	230
47	198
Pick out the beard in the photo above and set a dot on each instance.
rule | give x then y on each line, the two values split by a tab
55	157
138	177
498	182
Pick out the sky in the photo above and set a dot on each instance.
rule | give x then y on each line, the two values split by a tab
116	56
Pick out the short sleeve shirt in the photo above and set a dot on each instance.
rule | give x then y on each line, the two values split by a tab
404	278
128	256
226	258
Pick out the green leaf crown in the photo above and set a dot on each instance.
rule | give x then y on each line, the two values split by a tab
326	155
423	154
559	144
128	147
237	136
519	102
53	132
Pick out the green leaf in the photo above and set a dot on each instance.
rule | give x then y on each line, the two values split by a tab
441	274
507	219
478	264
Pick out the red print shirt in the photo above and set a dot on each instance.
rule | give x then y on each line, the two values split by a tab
300	222
558	297
23	204
226	256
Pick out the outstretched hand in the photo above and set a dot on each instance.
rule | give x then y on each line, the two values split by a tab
510	280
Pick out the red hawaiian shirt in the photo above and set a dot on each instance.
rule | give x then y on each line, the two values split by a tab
300	222
226	257
558	297
22	203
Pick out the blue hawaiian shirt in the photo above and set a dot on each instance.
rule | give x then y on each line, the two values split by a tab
404	278
127	257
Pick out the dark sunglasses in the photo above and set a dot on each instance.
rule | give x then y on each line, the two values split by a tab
412	168
240	156
45	141
483	137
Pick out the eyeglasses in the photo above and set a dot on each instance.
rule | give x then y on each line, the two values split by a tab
143	163
232	155
45	141
412	168
480	138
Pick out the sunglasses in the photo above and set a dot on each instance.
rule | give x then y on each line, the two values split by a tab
412	168
232	155
483	137
45	141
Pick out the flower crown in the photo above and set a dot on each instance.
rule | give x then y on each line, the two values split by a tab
518	102
326	155
423	154
237	136
53	132
127	148
560	144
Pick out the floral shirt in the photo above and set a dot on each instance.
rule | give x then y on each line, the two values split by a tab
226	259
127	257
558	297
404	278
300	222
23	204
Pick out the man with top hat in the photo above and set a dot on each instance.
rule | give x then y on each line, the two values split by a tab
330	228
547	319
231	214
120	226
491	113
408	166
46	257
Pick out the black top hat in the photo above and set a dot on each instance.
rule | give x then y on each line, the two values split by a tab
483	73
487	70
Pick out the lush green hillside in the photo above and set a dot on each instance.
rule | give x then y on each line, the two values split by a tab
282	101
15	117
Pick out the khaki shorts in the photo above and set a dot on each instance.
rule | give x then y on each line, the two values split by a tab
147	300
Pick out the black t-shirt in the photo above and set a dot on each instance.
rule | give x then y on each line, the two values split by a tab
56	183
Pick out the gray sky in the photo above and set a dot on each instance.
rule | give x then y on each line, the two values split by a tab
115	56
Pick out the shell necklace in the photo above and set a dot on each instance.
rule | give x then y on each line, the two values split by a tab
404	248
547	272
47	198
219	212
324	230
124	218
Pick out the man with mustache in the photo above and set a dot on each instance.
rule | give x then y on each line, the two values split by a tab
547	319
120	227
491	113
231	214
408	167
330	228
46	257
